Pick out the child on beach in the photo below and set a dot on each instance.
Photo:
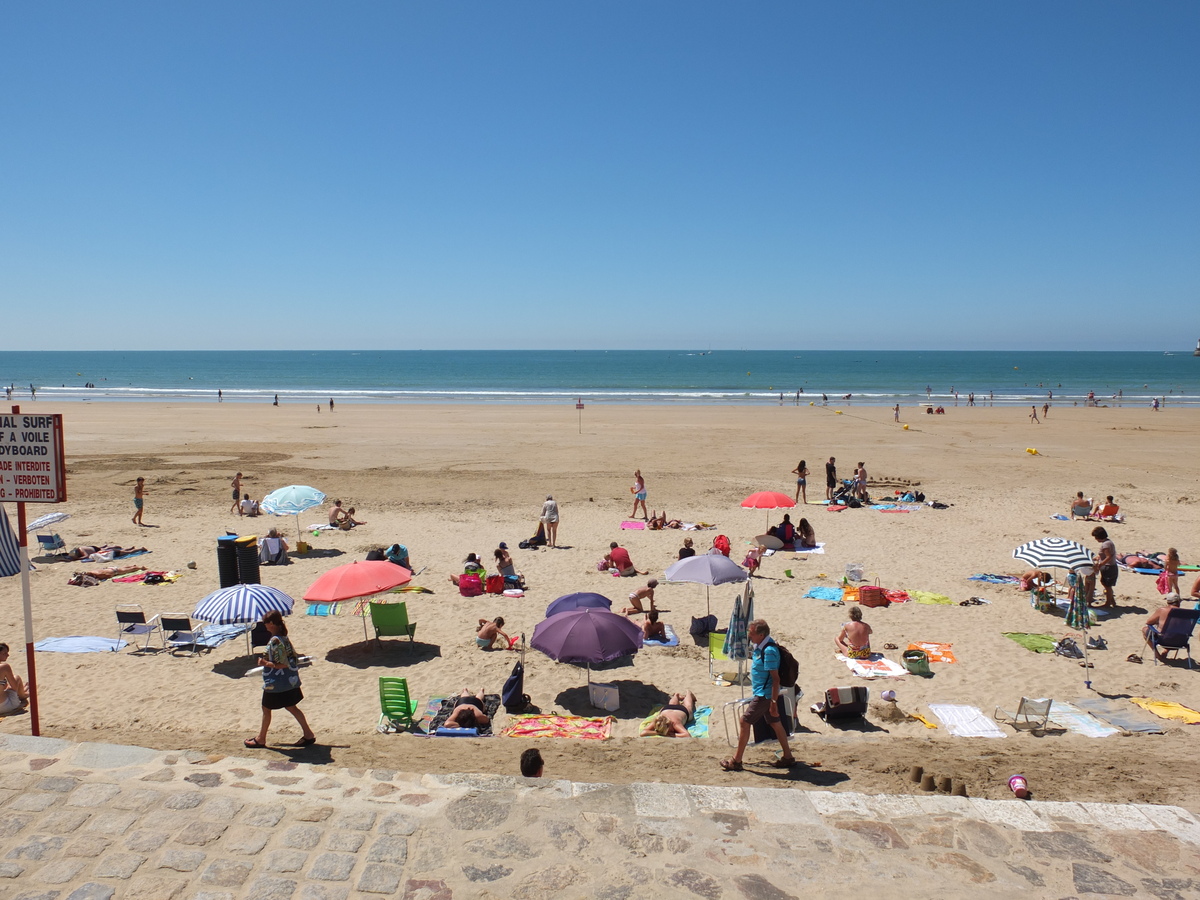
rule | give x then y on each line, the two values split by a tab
139	500
636	598
1171	568
639	494
485	638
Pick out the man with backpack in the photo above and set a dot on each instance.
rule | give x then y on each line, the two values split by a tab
765	682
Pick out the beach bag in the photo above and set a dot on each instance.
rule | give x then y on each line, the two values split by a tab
470	585
495	584
1164	582
276	681
872	595
916	661
513	696
843	703
721	543
375	555
700	628
1068	648
789	668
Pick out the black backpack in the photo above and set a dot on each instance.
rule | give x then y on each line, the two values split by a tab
789	669
374	555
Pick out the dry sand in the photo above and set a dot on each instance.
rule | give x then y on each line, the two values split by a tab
448	480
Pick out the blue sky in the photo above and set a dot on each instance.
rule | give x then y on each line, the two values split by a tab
600	175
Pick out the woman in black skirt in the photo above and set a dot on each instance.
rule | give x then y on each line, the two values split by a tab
280	655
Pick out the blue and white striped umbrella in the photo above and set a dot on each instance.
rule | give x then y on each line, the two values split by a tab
242	603
10	548
49	519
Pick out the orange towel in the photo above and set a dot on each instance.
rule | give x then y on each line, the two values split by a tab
937	652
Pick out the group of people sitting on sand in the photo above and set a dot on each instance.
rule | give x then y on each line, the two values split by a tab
343	519
792	536
505	567
1083	508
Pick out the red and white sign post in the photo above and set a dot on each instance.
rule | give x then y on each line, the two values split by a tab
579	406
32	470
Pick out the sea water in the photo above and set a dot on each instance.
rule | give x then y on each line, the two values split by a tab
868	377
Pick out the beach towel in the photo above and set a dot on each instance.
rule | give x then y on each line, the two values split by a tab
323	609
1120	714
555	726
628	525
996	579
491	705
965	721
213	636
936	651
835	508
698	728
1078	721
824	593
423	727
321	526
411	588
877	666
931	599
671	641
78	644
1038	643
1060	517
1168	709
819	548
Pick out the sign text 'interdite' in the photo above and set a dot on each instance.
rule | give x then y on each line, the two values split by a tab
31	459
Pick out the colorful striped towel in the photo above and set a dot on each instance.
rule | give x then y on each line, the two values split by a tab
554	726
936	651
698	728
424	725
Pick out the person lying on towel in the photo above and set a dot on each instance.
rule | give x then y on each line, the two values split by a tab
468	712
674	718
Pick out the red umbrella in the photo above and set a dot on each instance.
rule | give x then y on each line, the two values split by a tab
357	579
768	500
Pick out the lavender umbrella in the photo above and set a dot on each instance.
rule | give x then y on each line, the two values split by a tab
581	600
587	636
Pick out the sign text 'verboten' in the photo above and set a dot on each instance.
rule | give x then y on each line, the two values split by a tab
31	459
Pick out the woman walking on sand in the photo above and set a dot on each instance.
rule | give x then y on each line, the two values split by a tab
801	473
281	683
639	495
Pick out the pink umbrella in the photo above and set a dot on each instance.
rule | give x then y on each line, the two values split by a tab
768	500
357	579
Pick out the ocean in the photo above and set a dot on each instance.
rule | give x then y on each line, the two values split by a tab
873	378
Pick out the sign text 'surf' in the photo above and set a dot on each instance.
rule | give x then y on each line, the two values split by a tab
31	459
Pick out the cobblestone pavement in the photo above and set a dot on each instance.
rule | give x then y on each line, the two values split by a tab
94	821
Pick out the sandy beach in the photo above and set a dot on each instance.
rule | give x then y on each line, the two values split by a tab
448	480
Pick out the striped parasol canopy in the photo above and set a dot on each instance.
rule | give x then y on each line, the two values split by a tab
1054	552
49	519
242	603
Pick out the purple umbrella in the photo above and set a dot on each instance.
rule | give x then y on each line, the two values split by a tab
582	600
587	636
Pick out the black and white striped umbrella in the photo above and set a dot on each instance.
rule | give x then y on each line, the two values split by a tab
242	603
1054	552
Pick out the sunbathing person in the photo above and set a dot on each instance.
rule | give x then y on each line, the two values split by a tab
336	514
108	572
13	694
1157	621
854	640
248	507
468	712
349	521
471	566
674	718
652	629
485	638
506	567
805	536
687	549
116	551
1106	511
274	549
636	598
1081	507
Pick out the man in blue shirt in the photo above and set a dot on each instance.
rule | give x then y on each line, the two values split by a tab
764	684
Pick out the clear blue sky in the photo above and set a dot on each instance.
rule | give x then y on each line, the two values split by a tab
227	175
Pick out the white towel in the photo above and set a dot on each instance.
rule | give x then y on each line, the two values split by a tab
878	666
1076	720
965	721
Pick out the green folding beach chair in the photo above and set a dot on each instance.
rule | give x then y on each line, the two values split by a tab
391	620
396	706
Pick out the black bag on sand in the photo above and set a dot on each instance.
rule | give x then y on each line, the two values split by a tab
513	696
843	703
374	555
700	628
